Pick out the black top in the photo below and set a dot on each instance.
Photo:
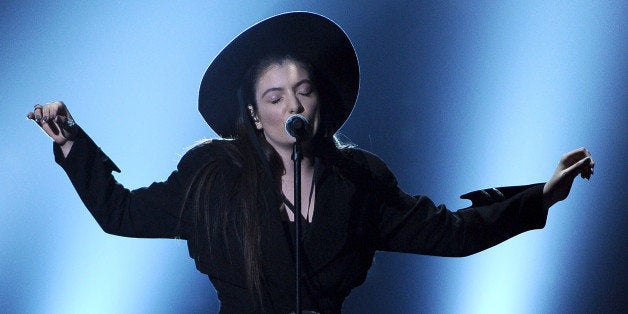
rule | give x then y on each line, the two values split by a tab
359	209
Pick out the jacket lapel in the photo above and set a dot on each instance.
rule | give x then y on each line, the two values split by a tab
325	238
329	229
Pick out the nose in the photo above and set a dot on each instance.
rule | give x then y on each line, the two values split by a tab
295	105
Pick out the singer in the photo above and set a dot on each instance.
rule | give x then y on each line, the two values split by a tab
232	198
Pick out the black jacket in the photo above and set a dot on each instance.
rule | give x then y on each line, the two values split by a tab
359	209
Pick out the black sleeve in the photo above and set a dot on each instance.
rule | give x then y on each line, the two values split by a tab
414	224
155	211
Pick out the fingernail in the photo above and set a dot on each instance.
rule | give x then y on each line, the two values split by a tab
45	118
37	118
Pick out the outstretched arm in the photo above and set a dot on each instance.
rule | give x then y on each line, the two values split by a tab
417	225
155	211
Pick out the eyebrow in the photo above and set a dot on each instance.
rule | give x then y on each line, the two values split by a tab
299	83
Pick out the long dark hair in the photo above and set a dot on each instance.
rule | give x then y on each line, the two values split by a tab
259	181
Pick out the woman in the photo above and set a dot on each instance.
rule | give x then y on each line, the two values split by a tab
232	199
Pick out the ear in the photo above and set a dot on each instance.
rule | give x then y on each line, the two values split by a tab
258	124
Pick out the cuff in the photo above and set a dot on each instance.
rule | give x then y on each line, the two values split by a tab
493	195
83	147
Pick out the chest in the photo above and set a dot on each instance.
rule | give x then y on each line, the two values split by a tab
338	246
307	197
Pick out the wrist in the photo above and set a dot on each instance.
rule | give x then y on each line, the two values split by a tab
66	148
548	199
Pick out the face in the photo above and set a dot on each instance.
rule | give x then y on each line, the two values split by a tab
283	90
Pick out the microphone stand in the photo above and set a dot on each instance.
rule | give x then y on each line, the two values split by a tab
297	156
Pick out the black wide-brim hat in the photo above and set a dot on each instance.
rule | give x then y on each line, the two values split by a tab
306	36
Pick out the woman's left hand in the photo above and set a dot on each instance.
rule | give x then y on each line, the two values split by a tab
576	162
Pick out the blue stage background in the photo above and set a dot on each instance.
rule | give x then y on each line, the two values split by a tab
454	97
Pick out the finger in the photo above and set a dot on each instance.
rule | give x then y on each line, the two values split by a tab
588	171
54	110
573	157
31	114
577	154
51	128
579	167
45	113
62	109
37	113
586	152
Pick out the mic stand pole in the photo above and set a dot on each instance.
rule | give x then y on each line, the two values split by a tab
297	156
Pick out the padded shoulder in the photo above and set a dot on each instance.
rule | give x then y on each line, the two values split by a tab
201	155
369	164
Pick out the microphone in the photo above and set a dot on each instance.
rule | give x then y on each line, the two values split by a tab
298	127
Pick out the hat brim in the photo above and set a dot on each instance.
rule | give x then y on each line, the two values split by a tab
307	36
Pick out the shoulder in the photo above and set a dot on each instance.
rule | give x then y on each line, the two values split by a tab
367	162
218	152
364	158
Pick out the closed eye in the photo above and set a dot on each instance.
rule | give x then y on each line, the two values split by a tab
306	93
304	87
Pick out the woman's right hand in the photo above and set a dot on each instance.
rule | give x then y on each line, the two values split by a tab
55	119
